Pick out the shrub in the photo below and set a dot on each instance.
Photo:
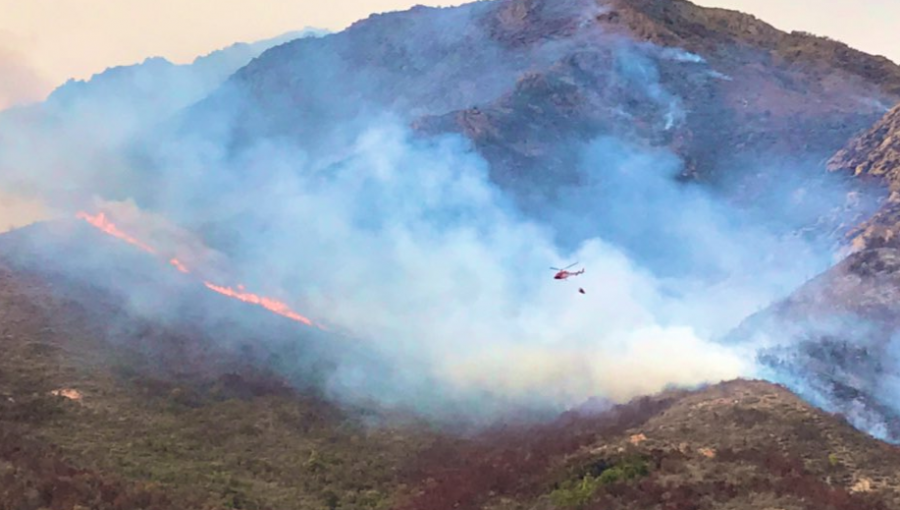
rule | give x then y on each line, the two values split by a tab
627	470
578	493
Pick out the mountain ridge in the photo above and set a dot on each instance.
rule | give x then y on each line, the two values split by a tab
755	90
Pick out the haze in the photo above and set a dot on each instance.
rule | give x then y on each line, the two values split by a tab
43	43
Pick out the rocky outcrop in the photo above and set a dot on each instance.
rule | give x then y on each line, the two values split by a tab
874	157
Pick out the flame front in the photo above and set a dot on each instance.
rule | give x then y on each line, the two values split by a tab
269	304
110	228
179	266
101	222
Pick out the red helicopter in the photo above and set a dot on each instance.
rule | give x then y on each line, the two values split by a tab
564	274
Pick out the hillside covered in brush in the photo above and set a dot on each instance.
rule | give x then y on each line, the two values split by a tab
100	408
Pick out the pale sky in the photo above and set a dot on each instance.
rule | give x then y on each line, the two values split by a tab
45	42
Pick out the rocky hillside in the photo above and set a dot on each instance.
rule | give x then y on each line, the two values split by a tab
833	340
845	321
874	156
523	77
703	30
759	96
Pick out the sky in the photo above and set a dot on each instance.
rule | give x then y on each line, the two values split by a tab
45	42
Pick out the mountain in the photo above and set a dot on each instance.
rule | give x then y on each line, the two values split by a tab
720	88
743	86
574	109
386	194
720	99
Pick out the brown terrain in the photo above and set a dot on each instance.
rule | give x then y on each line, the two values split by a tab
86	424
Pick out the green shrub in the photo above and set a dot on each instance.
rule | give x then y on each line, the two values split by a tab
578	493
630	469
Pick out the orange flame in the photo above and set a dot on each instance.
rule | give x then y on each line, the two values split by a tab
101	222
267	303
179	266
110	228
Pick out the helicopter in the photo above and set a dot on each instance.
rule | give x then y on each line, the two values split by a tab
564	274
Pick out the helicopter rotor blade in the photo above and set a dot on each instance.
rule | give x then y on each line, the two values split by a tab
573	265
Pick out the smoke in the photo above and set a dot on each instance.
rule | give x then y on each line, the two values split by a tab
16	212
405	244
75	144
21	82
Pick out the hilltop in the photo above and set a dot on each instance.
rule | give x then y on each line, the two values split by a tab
721	88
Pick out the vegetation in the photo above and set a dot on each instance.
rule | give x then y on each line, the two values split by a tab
578	493
238	439
114	421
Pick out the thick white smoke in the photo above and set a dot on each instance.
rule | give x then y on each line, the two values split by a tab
406	244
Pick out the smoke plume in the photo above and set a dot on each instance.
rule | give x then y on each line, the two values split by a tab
21	82
406	244
16	212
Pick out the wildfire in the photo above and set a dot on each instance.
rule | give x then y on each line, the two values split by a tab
110	228
179	266
269	304
101	222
